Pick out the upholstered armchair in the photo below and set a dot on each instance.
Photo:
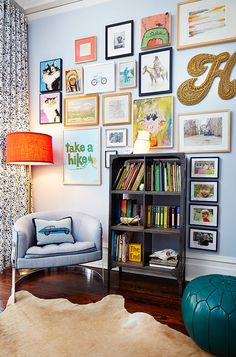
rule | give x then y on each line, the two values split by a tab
28	254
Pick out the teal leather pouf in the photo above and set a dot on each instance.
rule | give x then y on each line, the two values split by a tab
209	313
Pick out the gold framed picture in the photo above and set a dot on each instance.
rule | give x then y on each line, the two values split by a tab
116	109
81	111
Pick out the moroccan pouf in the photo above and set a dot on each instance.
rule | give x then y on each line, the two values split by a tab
209	313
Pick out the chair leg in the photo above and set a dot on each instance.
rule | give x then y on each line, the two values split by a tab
13	285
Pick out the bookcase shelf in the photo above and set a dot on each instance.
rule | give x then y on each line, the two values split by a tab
157	197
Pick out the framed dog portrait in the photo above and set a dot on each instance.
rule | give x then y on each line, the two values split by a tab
119	40
50	108
51	75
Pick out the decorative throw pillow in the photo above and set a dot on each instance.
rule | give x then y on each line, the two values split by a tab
48	232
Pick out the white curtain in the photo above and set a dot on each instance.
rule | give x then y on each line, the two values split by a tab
14	116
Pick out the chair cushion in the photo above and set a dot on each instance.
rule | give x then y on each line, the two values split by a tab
60	249
48	232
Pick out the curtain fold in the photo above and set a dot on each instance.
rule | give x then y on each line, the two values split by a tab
14	116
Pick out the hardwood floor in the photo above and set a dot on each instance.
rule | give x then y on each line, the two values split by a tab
155	296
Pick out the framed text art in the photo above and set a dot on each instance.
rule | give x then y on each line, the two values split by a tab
99	78
119	40
85	49
82	152
155	72
74	81
155	31
203	239
204	131
205	22
154	115
81	110
116	109
204	167
51	75
50	108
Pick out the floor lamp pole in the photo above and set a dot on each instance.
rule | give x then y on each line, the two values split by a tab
29	178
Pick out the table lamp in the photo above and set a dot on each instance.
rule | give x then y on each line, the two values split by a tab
28	148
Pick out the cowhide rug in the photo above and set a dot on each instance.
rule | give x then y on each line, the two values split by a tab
34	327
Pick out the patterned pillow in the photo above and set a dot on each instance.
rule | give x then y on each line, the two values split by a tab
48	232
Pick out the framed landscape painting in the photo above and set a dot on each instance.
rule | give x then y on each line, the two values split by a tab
82	157
116	109
204	167
155	72
99	78
51	75
205	22
50	108
85	49
204	131
206	191
81	111
154	115
155	31
203	239
201	215
119	40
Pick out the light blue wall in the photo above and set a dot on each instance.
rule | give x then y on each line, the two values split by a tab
53	37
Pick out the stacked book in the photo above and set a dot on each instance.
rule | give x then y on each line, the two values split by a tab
130	176
163	260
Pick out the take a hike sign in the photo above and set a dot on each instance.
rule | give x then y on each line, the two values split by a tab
82	157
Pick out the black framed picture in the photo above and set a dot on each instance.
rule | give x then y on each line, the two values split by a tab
51	75
206	239
50	106
204	167
119	40
108	154
155	72
204	191
203	215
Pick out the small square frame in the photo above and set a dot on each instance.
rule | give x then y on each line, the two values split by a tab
116	137
86	49
119	40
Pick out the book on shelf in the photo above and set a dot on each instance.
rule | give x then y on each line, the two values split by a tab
159	263
165	176
129	176
163	216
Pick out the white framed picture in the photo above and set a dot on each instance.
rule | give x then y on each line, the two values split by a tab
206	191
202	215
116	137
203	239
99	78
204	167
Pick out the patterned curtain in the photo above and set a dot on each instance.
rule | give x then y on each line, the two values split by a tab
14	116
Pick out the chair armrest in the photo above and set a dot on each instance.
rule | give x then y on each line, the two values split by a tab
87	228
23	237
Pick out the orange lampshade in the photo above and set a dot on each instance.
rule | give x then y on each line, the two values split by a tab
27	148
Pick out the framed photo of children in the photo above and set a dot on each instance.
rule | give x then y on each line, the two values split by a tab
82	157
155	72
202	215
50	108
119	40
204	167
127	74
203	239
86	49
51	75
74	81
206	191
81	110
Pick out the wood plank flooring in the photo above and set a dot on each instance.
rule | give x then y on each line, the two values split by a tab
155	296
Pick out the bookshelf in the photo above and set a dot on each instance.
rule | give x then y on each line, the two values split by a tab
152	189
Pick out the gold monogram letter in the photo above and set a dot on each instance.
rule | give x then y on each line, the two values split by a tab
189	93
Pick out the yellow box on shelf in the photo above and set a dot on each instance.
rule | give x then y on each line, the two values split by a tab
135	250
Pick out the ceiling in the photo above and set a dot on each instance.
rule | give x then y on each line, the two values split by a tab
34	6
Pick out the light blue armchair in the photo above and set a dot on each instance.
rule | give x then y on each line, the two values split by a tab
26	254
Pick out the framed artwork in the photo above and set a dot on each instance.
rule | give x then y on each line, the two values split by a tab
51	75
74	83
50	108
203	239
204	131
127	74
108	154
156	116
204	167
206	191
201	215
86	49
155	31
116	137
99	78
205	22
82	157
116	109
119	40
155	72
81	111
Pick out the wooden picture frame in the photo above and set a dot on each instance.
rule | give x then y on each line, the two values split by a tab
204	167
81	110
203	215
204	191
116	137
50	107
99	78
155	72
82	156
204	132
127	74
108	154
119	40
204	239
51	75
74	81
217	27
86	49
116	109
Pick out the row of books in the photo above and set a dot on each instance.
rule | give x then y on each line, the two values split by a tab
127	208
120	246
130	176
164	176
163	216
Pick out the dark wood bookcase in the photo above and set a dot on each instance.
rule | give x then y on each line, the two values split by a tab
151	237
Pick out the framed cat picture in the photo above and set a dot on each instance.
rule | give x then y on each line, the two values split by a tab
50	108
51	75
